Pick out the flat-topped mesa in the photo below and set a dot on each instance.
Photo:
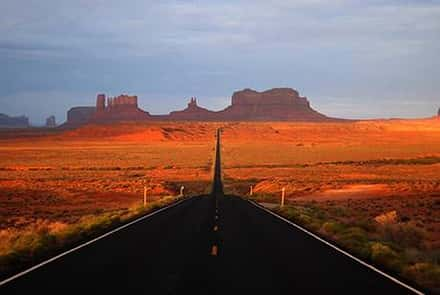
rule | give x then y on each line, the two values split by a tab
278	104
78	116
121	101
120	108
275	96
13	122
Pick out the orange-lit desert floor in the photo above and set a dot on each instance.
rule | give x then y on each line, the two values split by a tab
365	168
62	176
350	175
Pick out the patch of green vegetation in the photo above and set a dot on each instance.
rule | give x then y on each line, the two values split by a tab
355	239
383	255
426	274
265	198
309	216
397	248
19	248
332	228
404	234
413	161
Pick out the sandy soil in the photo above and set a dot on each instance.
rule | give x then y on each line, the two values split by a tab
67	174
62	176
368	167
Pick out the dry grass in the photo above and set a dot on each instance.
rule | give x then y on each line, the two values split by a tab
340	176
20	247
402	248
57	188
68	175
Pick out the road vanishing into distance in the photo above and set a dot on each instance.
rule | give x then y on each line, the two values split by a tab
213	244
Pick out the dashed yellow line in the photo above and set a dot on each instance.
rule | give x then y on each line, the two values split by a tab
214	250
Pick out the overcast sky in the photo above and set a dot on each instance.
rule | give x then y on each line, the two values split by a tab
352	59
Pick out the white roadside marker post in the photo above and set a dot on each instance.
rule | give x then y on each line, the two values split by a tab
145	195
283	193
181	190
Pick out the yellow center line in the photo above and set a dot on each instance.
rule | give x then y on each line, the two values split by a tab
214	250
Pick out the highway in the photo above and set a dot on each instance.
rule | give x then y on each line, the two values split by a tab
213	244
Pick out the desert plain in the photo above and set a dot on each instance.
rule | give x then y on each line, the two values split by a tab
377	181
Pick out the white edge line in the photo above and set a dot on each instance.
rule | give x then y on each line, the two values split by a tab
16	276
339	249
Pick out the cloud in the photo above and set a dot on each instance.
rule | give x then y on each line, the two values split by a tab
171	48
149	28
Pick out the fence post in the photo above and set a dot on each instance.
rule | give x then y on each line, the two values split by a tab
283	193
145	195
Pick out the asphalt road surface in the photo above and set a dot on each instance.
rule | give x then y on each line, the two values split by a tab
212	244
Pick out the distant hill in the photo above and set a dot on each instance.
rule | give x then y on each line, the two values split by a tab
278	104
13	122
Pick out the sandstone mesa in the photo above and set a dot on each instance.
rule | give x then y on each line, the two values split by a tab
278	104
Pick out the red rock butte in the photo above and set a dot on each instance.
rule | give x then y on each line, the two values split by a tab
192	112
120	108
278	104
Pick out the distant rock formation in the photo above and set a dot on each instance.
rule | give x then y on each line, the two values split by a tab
192	112
121	108
13	122
438	113
78	116
278	104
51	122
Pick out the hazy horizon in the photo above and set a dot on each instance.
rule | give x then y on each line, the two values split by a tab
351	59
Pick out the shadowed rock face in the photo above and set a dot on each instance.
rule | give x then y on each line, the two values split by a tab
14	122
192	112
276	96
278	104
78	116
120	108
51	122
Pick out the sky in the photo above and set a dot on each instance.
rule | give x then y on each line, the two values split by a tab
352	59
